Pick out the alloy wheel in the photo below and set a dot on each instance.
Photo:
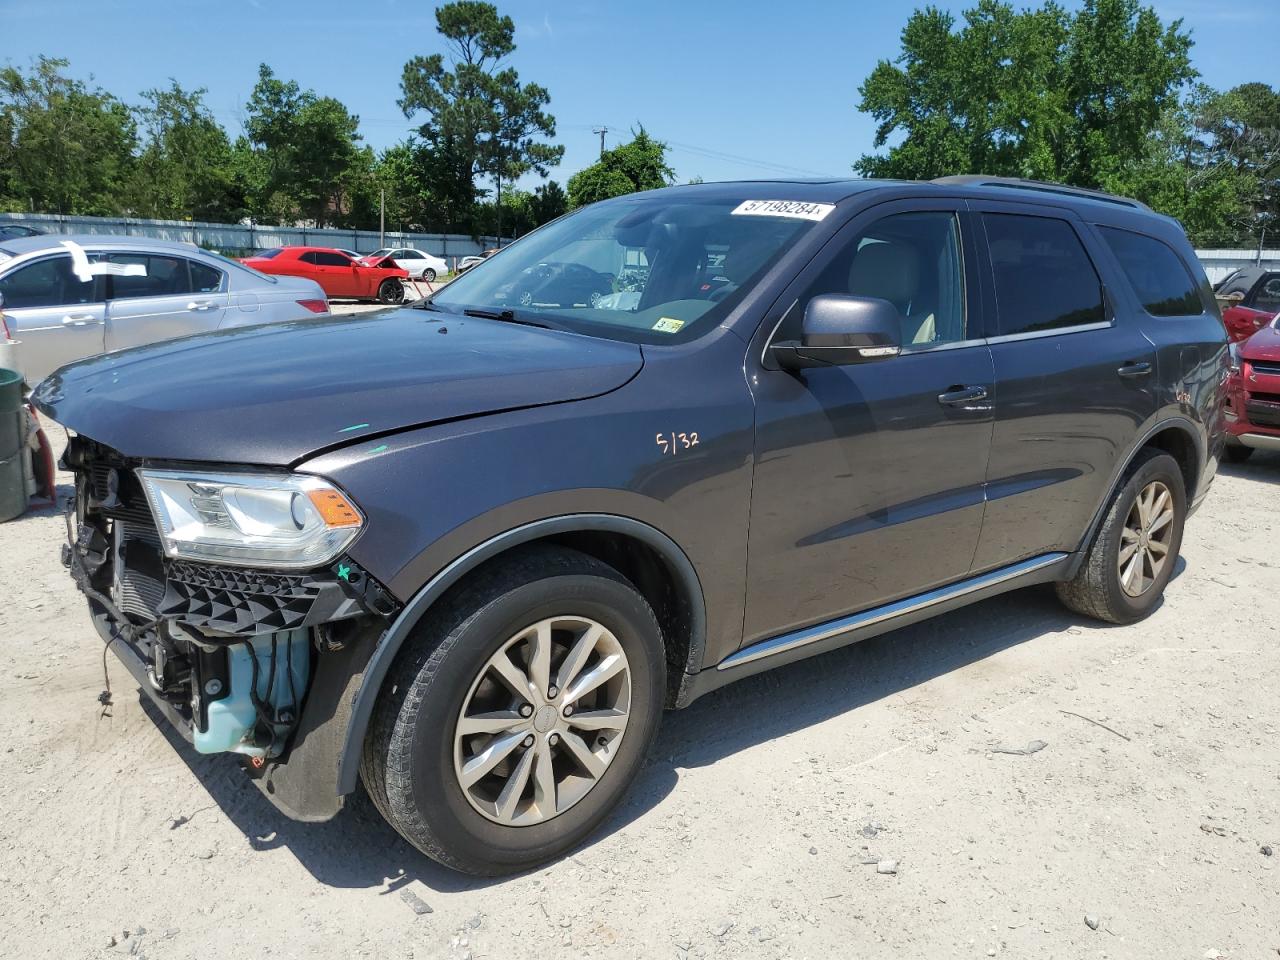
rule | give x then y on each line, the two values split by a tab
1145	539
542	721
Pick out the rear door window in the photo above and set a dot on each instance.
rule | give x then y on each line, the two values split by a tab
162	276
1160	279
204	278
1044	279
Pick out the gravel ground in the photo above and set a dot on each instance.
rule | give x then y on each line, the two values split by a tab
768	822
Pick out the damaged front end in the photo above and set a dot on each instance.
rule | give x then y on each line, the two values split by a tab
245	636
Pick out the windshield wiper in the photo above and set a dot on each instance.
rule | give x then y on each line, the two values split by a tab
507	316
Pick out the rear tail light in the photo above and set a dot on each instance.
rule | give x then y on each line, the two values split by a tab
315	306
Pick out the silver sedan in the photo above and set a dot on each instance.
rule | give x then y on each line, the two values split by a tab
64	298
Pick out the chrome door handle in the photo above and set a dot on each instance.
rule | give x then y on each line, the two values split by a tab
79	319
960	396
1132	368
200	305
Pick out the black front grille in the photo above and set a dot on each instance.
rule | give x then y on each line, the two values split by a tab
1265	368
1263	414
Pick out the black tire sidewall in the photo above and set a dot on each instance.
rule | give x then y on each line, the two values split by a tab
1160	467
437	801
388	298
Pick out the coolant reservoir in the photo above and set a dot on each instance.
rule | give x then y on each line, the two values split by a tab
232	718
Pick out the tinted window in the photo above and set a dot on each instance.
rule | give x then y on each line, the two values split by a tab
1159	278
309	257
161	276
331	259
204	279
1044	279
912	260
267	254
47	283
1268	295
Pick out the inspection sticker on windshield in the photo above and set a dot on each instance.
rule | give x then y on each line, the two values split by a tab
668	325
795	209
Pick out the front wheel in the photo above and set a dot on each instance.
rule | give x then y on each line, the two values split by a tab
391	291
1133	553
518	713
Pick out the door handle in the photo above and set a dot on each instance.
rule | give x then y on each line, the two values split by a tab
961	396
79	319
1134	368
200	305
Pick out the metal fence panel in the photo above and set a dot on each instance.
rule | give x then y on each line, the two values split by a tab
238	237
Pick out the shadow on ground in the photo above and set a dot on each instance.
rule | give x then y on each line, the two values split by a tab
357	849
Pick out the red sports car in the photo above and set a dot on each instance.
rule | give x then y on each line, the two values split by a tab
337	273
1253	396
1249	298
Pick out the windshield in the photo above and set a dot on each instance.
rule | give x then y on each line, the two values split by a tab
645	269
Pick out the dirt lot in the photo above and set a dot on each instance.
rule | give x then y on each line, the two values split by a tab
755	830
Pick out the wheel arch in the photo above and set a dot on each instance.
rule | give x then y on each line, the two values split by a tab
1176	435
654	563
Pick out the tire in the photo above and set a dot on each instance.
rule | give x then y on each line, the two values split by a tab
1237	452
429	275
391	292
412	760
1097	590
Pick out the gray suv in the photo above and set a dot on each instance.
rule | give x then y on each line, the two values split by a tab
468	551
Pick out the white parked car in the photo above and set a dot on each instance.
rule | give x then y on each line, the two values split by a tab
421	266
65	298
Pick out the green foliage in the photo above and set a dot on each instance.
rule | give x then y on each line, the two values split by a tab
65	147
1098	97
480	119
307	153
638	165
185	169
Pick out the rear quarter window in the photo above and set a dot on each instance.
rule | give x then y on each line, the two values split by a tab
1164	285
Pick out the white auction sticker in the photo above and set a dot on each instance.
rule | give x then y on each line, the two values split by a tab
795	209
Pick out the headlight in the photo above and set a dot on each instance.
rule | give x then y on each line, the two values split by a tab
257	520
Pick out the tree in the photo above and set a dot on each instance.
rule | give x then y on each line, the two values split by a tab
67	147
1039	93
307	147
638	165
185	169
548	202
1241	130
480	120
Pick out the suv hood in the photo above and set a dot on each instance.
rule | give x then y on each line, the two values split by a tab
275	394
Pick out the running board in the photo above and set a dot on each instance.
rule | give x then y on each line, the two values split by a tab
788	642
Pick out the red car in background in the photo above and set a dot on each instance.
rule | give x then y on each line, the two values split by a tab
1253	394
1250	298
337	273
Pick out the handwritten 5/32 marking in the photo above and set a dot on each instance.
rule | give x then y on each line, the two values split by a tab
673	443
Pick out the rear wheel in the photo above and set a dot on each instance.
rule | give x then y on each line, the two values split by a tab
1237	452
518	713
1134	551
390	291
428	275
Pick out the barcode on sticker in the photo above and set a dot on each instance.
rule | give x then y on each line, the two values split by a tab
796	209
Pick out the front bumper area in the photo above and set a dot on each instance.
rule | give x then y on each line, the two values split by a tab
253	662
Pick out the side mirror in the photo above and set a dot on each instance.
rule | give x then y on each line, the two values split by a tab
840	329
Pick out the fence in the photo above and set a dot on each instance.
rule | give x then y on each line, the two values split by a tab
1218	263
243	237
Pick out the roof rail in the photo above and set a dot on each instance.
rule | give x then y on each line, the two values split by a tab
1040	186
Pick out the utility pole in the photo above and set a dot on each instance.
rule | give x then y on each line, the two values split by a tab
382	217
602	131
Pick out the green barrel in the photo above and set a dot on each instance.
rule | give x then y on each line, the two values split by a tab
13	490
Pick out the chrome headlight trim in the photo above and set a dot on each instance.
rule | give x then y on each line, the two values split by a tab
262	520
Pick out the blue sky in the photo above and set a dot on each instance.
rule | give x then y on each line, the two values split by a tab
738	89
